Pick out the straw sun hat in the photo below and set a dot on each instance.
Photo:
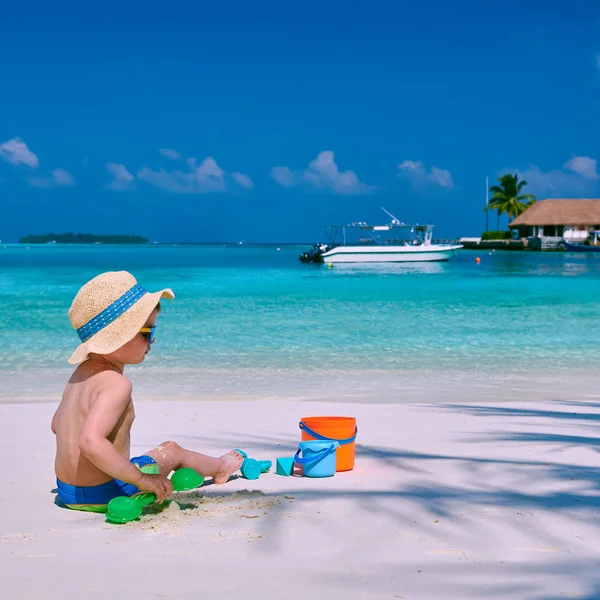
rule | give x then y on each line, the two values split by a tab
108	311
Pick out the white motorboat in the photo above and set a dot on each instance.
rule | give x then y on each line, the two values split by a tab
381	245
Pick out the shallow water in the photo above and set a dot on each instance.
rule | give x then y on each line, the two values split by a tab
254	322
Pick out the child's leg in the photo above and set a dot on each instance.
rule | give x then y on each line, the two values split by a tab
171	456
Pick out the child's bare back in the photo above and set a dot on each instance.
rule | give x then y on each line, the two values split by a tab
116	321
89	382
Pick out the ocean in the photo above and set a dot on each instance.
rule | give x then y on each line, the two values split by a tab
253	322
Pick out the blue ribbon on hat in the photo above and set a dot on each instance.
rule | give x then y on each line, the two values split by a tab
112	312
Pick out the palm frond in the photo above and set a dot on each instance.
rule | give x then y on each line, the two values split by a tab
526	197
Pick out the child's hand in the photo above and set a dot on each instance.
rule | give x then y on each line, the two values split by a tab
156	484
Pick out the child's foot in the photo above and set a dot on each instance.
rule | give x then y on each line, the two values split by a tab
230	463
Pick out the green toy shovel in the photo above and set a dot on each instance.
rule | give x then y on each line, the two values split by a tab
124	509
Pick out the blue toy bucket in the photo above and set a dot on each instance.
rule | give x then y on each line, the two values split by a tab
318	458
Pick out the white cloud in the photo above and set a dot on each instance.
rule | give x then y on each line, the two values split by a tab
577	177
57	178
322	173
411	166
243	180
583	165
17	153
441	177
283	176
63	178
199	179
419	176
555	182
170	153
123	180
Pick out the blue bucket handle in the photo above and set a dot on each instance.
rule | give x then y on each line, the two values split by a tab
317	455
322	438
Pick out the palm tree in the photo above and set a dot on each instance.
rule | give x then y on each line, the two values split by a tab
507	197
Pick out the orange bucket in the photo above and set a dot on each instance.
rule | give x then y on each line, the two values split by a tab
330	429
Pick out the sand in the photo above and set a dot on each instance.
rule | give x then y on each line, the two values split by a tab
446	501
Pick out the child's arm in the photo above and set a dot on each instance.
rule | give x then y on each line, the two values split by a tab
105	413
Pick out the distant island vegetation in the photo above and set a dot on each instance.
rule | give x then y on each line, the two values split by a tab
82	238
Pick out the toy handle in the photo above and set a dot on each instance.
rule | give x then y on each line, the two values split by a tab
322	438
144	498
317	456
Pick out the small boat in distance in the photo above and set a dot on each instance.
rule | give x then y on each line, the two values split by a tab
589	244
377	248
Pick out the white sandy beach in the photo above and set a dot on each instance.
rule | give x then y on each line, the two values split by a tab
446	501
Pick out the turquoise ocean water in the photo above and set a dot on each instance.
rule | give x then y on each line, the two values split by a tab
253	322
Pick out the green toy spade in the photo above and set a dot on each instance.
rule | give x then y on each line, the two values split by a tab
124	509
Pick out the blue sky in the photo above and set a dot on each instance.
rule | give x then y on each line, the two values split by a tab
265	121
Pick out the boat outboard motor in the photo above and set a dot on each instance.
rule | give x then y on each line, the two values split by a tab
314	255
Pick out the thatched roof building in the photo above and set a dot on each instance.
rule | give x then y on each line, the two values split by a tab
550	217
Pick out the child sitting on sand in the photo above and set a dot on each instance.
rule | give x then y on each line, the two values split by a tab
115	319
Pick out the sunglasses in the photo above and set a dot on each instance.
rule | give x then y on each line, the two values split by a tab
148	333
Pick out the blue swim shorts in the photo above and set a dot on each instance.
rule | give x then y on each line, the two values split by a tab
96	497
